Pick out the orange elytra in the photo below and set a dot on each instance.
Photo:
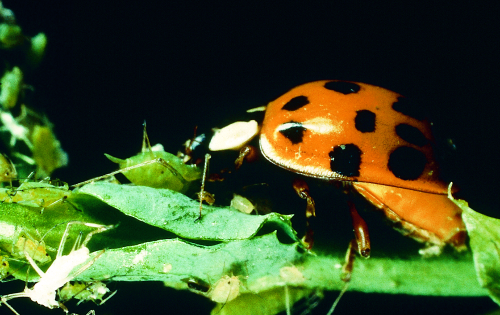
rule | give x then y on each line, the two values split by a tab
372	137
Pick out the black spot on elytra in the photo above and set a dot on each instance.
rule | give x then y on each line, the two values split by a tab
409	108
345	159
296	103
365	121
342	87
294	132
407	163
411	134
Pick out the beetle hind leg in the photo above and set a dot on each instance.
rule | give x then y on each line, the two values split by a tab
359	244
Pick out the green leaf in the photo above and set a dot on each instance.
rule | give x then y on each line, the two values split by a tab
175	260
33	218
268	269
484	233
177	213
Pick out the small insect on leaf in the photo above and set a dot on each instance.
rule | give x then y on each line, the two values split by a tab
225	289
242	204
47	151
8	171
17	241
153	167
62	270
84	292
36	249
12	85
40	194
158	169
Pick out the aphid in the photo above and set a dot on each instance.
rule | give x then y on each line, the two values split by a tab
164	170
84	292
35	249
8	171
11	86
40	194
47	152
16	241
225	289
62	270
7	15
155	168
242	204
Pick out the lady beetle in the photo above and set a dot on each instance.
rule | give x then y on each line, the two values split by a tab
374	139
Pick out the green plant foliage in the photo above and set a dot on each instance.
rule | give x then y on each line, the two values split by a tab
265	268
177	213
484	233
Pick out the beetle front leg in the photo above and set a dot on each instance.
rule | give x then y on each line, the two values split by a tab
302	189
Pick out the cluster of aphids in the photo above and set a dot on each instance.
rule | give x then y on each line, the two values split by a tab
21	245
27	137
152	167
56	279
26	133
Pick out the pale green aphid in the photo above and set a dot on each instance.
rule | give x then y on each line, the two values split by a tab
165	170
153	167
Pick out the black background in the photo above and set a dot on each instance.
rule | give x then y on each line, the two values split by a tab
111	65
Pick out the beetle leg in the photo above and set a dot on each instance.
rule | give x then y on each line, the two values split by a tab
302	189
360	232
350	256
359	244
